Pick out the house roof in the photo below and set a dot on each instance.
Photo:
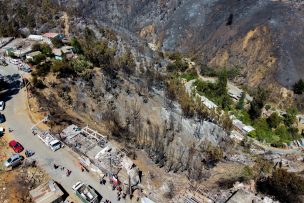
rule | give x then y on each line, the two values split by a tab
35	37
57	52
33	54
51	34
239	125
248	128
23	51
67	49
46	192
127	163
243	196
207	102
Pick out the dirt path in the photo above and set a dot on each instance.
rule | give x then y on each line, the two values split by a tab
66	24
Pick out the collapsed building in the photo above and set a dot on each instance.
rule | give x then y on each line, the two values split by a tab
101	156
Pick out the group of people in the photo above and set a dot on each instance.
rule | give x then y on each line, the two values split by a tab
68	172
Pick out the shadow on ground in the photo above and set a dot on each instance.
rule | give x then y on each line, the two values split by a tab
13	83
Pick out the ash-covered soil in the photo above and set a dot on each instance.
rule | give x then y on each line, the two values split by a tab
205	29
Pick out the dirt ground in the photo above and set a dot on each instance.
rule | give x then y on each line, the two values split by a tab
15	184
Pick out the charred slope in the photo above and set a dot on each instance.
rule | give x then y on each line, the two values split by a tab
216	32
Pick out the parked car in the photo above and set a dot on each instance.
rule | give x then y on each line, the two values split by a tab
15	61
1	131
16	146
27	70
3	62
14	160
2	118
2	105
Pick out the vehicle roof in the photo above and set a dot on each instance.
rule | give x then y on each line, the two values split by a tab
13	142
15	156
54	142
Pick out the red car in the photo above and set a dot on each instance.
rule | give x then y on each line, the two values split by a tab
16	146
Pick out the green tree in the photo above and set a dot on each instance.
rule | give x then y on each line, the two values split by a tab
257	103
298	87
274	120
57	42
89	35
241	102
36	47
77	46
126	62
39	58
46	49
63	68
80	64
221	84
290	117
286	187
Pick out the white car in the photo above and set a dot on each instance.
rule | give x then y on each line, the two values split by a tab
1	105
15	61
14	160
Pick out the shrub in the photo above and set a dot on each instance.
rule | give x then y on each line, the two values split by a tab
298	87
241	102
39	58
63	68
42	70
274	120
80	64
284	186
57	42
77	46
189	76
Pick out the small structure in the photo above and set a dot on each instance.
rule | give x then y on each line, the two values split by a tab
22	51
48	192
240	126
40	39
9	51
247	129
86	193
4	41
209	104
31	56
236	93
35	37
52	35
244	196
67	51
57	54
127	163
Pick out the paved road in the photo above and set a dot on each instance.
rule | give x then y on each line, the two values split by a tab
17	118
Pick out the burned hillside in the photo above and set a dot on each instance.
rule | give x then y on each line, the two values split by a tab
196	28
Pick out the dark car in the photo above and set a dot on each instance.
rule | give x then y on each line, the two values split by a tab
2	118
16	146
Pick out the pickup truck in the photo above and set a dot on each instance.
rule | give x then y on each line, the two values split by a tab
50	141
86	193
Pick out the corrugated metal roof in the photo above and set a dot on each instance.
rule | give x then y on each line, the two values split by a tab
51	35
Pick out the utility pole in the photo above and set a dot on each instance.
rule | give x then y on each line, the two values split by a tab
130	188
43	120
